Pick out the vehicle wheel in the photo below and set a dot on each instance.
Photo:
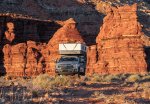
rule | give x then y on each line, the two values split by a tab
82	73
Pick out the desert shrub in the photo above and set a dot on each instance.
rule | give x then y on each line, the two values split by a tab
62	81
45	82
102	7
133	78
42	81
97	78
123	76
85	78
111	78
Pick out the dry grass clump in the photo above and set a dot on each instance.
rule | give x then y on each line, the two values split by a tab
99	95
124	76
45	82
105	78
133	78
62	81
42	81
111	78
97	78
102	7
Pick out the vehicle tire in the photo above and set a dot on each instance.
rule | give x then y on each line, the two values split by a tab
82	73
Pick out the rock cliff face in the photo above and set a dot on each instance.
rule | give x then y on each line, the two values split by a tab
23	59
120	48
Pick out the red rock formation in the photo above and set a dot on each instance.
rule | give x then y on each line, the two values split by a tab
32	55
91	58
7	58
9	34
14	59
18	59
120	49
23	59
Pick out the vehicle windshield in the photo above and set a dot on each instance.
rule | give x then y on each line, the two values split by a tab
68	59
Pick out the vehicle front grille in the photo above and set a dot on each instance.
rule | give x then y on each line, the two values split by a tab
66	66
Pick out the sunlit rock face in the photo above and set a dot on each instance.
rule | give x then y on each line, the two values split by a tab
119	47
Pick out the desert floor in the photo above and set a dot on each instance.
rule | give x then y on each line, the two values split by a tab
95	89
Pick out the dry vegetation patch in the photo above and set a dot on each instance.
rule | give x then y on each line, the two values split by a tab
133	78
105	89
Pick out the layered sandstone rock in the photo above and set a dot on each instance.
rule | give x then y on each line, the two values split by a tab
120	49
32	57
91	58
18	59
23	59
14	59
7	58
